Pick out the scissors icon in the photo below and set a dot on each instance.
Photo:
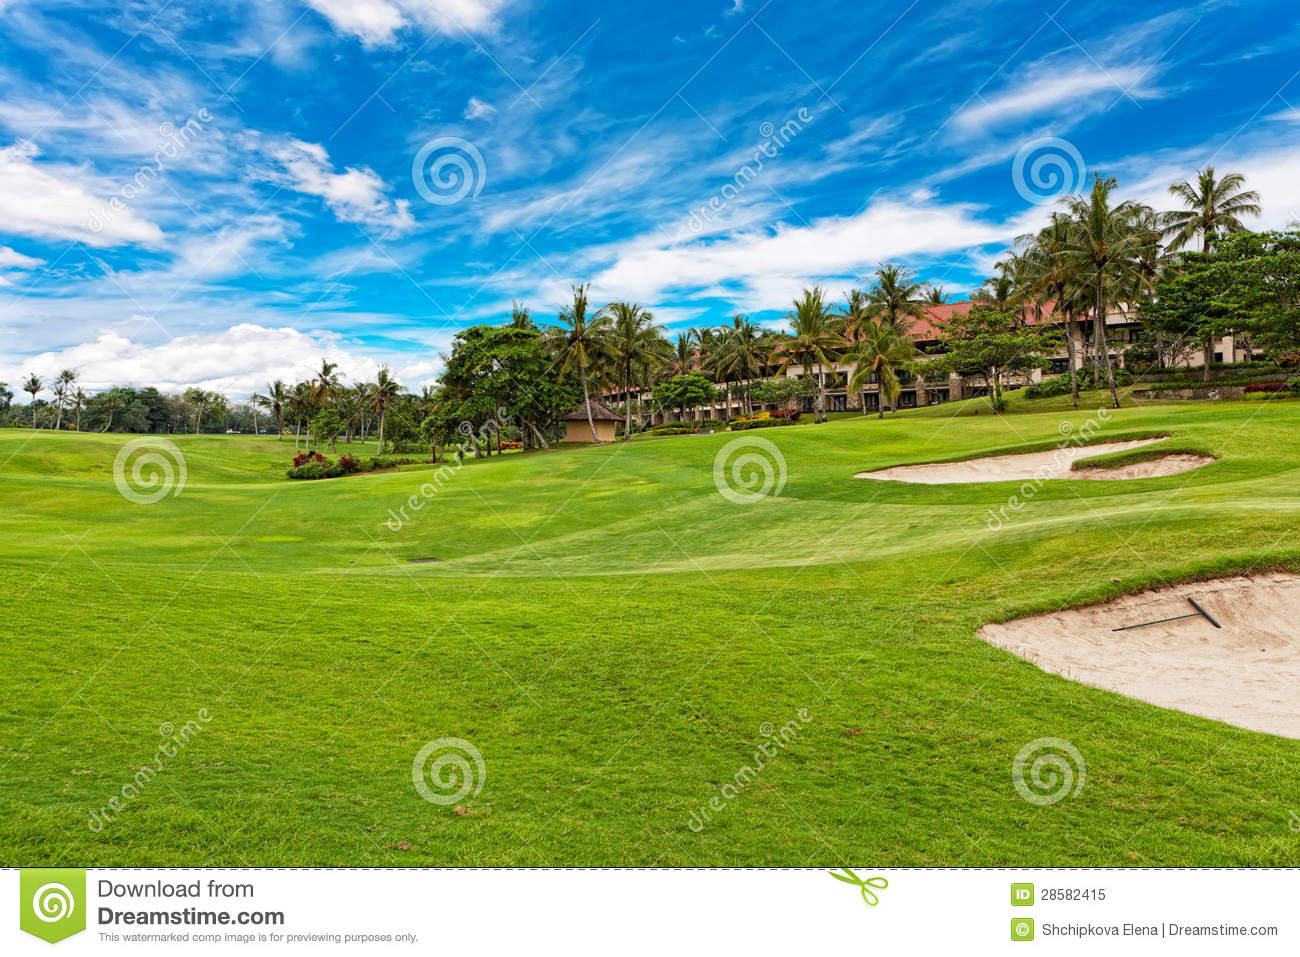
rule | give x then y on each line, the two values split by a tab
868	894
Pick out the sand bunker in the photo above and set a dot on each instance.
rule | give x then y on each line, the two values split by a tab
1246	673
1040	466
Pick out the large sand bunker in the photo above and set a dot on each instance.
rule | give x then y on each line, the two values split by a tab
1245	673
1040	466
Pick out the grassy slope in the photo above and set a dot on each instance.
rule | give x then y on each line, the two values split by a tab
611	634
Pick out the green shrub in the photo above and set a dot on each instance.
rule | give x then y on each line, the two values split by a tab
741	425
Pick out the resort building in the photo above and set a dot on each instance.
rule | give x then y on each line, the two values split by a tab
1122	331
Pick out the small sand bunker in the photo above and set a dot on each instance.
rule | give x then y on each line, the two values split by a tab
1040	466
1245	673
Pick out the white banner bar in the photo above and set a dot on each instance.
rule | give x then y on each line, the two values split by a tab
654	911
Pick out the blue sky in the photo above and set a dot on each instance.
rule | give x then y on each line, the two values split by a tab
221	193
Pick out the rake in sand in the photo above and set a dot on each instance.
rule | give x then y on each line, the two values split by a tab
1199	613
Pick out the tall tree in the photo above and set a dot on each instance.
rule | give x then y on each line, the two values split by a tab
274	400
896	297
812	342
635	343
62	393
881	353
382	394
581	344
34	385
1105	241
1212	206
746	351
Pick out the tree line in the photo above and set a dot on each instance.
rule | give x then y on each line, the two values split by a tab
1192	274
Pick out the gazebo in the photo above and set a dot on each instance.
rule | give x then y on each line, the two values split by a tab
577	429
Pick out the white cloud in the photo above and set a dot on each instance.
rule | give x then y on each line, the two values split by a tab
357	195
235	362
477	108
11	259
49	204
1039	91
764	269
737	6
376	22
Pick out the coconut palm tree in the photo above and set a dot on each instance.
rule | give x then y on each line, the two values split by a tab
1212	205
635	342
895	296
745	352
200	399
300	405
382	393
812	341
581	343
274	400
684	353
33	384
325	385
881	353
934	295
62	392
1050	278
1104	243
855	315
79	398
520	317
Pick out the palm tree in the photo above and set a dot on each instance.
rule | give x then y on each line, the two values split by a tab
382	393
1004	291
1050	277
300	405
581	343
325	385
684	352
812	341
1213	205
933	295
895	296
855	315
881	353
200	400
274	400
1103	245
112	404
62	392
746	350
33	385
636	342
520	317
79	398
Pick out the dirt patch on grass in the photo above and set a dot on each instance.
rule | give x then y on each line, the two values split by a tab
1246	673
1039	466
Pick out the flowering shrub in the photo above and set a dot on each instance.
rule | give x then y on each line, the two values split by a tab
1269	387
348	463
305	457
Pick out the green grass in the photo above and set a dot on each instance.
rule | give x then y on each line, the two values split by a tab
611	633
